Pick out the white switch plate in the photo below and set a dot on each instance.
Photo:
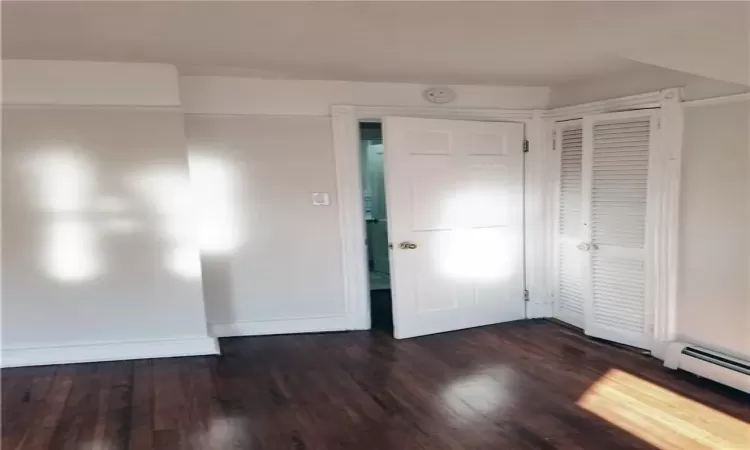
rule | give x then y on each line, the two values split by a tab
320	199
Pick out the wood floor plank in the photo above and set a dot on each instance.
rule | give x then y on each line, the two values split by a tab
73	428
521	385
142	407
49	408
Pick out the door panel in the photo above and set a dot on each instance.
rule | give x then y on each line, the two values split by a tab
617	158
570	288
455	191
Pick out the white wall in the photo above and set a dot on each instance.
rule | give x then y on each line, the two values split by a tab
36	82
714	278
284	272
275	264
97	261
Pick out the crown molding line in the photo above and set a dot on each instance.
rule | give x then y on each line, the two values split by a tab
718	100
640	101
375	113
60	106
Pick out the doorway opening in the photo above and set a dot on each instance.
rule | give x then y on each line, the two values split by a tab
372	174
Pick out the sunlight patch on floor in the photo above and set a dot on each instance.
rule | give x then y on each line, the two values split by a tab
661	417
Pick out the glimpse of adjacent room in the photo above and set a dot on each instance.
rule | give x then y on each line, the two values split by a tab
376	224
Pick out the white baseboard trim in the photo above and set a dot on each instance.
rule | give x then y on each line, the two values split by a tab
281	326
108	351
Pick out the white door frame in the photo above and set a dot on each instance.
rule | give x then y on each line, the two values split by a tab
345	120
665	225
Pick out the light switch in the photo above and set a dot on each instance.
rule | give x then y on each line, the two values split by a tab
320	199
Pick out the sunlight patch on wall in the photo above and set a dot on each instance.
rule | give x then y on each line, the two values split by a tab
214	184
185	261
71	251
65	183
660	417
65	180
166	191
194	213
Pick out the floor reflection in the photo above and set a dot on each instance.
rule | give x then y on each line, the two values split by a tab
478	395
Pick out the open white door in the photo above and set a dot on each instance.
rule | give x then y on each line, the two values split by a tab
455	208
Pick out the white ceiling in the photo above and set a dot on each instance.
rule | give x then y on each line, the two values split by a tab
526	43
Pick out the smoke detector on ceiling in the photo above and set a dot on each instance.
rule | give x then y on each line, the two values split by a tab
440	95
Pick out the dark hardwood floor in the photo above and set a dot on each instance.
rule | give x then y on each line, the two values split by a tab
522	385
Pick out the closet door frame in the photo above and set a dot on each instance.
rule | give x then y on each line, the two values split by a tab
664	199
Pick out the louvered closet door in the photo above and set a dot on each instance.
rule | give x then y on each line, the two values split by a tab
615	213
569	284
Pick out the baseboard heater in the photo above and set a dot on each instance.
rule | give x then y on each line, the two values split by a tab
709	364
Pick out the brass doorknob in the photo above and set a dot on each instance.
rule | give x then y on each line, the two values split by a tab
407	245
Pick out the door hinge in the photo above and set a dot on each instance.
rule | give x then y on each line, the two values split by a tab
526	146
526	295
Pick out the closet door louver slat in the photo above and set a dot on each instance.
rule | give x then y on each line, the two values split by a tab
570	289
615	180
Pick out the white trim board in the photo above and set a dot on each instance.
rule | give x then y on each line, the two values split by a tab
536	218
108	351
718	100
345	125
281	326
640	101
363	113
46	106
668	223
